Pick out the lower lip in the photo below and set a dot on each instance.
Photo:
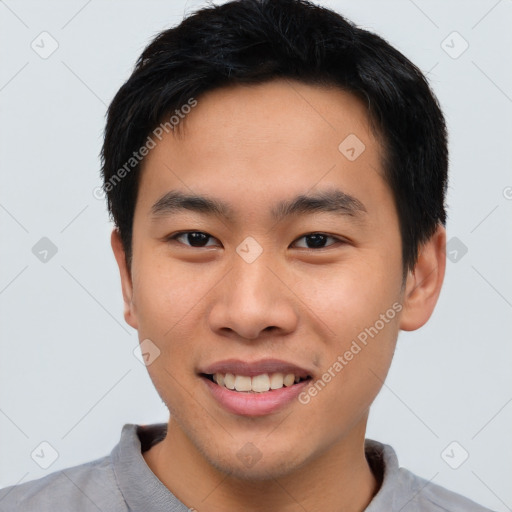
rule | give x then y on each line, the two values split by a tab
254	404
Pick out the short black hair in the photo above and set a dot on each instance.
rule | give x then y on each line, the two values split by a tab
256	41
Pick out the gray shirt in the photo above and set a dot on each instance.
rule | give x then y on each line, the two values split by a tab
123	482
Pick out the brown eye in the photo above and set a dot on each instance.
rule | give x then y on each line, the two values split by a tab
193	238
317	240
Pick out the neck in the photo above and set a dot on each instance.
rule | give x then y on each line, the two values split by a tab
338	479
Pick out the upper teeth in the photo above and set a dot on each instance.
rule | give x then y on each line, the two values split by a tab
258	383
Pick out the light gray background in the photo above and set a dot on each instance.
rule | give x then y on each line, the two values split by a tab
68	375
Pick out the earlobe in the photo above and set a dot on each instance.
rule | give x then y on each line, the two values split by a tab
126	279
424	282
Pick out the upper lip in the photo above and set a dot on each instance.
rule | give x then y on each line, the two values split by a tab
251	369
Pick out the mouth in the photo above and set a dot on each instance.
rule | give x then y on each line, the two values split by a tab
254	389
262	383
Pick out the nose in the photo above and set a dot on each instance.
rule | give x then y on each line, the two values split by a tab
253	299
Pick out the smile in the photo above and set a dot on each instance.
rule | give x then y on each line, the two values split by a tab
257	384
254	388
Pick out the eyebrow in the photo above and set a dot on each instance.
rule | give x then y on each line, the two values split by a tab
328	201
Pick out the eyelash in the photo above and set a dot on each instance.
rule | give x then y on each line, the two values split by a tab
337	240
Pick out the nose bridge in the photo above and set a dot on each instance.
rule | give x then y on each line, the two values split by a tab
252	298
252	280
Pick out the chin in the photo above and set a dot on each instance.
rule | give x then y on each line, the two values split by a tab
250	463
262	470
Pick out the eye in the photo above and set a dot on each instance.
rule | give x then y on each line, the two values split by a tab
200	239
194	238
318	240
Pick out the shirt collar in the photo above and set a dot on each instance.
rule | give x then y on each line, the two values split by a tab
142	490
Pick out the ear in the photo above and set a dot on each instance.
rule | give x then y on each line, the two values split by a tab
423	284
126	279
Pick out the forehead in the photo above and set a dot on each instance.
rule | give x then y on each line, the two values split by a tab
278	138
278	112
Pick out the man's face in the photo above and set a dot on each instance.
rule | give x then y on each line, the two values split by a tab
263	290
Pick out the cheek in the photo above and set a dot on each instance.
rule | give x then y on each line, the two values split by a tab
359	310
163	296
351	296
354	369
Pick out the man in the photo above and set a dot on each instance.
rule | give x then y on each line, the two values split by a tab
277	180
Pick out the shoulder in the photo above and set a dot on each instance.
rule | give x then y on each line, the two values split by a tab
86	487
402	490
424	495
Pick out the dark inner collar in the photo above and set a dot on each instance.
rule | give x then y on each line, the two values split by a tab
150	435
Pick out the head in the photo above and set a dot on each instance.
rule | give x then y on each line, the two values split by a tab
307	160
